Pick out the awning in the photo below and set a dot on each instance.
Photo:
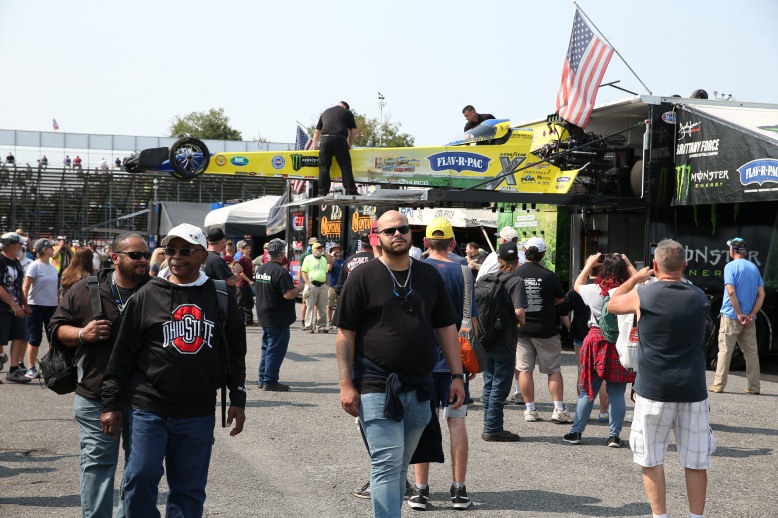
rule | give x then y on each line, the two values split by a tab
725	154
247	218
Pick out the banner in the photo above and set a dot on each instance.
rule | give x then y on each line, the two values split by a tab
717	161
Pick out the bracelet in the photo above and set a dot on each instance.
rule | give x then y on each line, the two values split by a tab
457	377
80	339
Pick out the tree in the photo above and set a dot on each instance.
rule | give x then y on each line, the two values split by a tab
212	124
368	136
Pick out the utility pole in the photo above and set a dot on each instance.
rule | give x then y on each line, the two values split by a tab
381	104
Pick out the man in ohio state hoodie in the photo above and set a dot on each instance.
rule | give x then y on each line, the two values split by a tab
169	360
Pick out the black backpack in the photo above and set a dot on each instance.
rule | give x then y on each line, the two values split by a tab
488	298
58	365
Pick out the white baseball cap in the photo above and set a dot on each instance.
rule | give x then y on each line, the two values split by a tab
508	234
537	242
187	232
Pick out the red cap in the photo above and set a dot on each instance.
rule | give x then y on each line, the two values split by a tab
374	234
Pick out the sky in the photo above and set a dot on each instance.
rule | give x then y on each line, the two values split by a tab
129	67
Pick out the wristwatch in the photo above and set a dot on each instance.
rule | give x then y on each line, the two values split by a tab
457	377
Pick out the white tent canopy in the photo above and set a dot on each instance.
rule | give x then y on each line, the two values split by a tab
247	218
460	218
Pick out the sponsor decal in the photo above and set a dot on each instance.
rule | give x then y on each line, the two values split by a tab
188	331
759	171
360	222
682	176
698	148
669	117
278	162
686	130
459	161
563	179
299	161
298	221
245	173
239	161
220	160
528	178
330	227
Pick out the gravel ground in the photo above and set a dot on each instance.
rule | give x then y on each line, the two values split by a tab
300	455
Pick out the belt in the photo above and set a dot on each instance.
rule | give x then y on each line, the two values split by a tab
317	283
341	135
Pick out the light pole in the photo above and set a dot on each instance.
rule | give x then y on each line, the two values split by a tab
381	104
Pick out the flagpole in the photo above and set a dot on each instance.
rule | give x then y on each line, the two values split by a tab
611	45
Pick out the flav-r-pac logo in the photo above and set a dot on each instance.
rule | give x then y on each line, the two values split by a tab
459	161
188	331
759	171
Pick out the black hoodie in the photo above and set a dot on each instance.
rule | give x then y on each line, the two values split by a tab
169	357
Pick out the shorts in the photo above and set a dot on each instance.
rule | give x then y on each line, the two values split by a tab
11	328
442	386
547	352
39	322
332	297
651	427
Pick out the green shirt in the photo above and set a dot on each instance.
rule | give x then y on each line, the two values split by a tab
316	268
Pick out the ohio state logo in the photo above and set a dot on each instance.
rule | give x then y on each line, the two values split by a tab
188	330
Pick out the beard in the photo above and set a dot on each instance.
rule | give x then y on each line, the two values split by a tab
132	272
396	251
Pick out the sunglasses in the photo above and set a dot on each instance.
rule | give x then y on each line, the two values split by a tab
185	252
389	232
403	294
136	256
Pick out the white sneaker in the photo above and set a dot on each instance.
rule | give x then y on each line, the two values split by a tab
561	416
530	415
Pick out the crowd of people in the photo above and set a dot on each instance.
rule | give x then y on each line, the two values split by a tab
146	356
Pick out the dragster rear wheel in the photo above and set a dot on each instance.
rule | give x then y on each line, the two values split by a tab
189	158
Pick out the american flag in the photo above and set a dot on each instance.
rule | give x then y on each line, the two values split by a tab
301	142
585	64
54	124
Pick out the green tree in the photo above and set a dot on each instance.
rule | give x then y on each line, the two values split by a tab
212	124
368	134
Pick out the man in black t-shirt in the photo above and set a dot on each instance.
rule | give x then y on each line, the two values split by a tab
389	313
355	260
538	338
215	266
474	118
276	294
334	135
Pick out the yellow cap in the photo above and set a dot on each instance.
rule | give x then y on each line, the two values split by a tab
442	227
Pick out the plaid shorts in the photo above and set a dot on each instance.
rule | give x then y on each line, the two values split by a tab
651	427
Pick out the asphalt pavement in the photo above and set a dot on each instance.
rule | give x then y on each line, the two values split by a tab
300	455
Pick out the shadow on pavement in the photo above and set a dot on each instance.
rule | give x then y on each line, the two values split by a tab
741	453
44	501
718	427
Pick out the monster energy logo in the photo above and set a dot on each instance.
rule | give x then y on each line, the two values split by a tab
300	161
683	174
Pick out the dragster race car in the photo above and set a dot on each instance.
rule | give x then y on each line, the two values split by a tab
491	156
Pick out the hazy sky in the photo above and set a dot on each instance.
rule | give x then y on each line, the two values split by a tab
129	67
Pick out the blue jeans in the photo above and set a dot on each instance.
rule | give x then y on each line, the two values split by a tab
391	444
498	379
39	321
99	455
275	342
184	444
617	407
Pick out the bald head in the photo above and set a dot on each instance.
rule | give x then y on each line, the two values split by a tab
392	218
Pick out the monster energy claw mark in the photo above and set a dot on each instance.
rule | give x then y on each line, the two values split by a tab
682	176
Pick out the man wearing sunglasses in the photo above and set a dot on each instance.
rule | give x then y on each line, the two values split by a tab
13	305
173	352
74	324
389	313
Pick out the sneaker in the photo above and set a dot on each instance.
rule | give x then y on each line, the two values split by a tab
3	360
714	388
515	399
322	330
364	492
614	441
32	373
17	376
530	415
278	387
754	392
260	385
561	416
420	499
603	417
408	489
501	436
459	497
572	438
628	418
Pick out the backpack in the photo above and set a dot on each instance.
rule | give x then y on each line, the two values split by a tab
488	299
58	365
609	324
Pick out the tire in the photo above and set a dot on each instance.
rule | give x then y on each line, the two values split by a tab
189	158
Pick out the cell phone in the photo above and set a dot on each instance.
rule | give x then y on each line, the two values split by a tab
601	259
651	251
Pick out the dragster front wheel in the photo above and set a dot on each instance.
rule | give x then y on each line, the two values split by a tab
189	158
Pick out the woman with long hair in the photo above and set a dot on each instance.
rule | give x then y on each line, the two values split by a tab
599	358
80	266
